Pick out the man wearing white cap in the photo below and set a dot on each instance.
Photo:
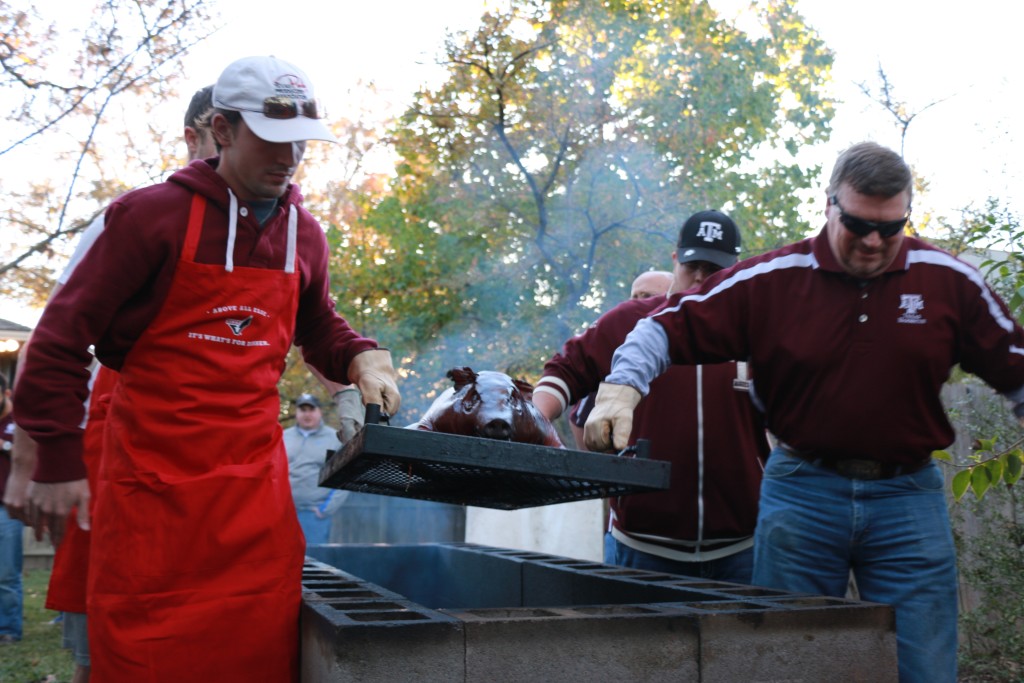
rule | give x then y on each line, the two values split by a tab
195	291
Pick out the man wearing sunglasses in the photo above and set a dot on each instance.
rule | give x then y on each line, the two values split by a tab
851	335
194	291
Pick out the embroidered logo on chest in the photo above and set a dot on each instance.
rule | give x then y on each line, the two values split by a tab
911	305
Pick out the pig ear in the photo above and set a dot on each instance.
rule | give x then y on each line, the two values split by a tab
525	388
462	376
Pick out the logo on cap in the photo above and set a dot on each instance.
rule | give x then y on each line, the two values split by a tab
710	231
290	85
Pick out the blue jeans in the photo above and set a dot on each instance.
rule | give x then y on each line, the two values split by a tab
736	568
10	575
75	631
317	530
814	526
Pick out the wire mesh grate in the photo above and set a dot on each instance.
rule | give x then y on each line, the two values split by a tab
465	470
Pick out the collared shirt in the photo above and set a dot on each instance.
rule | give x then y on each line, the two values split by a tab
843	367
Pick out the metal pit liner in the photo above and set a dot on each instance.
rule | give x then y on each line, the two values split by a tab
468	470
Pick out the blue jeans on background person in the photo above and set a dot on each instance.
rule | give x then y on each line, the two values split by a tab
75	637
11	592
317	530
610	548
736	568
815	525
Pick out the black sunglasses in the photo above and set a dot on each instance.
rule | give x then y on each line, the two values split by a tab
289	108
862	228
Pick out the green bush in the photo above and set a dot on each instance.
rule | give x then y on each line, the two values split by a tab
989	535
991	562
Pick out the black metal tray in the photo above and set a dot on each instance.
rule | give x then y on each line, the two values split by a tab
467	470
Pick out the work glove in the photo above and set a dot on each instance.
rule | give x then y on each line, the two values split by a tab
374	374
349	403
611	420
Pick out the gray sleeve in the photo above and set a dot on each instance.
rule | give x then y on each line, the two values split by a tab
641	358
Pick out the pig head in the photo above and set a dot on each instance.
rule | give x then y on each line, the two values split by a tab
490	405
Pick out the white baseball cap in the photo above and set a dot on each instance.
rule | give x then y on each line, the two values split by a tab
275	99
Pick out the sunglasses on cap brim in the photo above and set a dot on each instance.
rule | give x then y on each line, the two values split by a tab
289	108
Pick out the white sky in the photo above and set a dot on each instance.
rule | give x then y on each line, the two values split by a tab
970	146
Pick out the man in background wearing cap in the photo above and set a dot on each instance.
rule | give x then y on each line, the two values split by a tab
307	443
700	419
195	291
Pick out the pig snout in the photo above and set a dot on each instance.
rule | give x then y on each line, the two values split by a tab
497	429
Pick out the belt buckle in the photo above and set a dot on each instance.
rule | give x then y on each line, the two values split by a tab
859	469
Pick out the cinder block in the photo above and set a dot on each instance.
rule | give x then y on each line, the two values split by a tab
385	650
615	643
494	614
353	630
816	639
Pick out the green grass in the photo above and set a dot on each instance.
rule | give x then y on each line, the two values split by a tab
38	657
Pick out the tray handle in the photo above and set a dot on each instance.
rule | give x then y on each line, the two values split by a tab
374	415
641	449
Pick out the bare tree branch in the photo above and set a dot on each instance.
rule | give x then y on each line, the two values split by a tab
162	31
43	244
886	96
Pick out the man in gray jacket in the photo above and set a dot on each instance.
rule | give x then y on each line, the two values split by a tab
307	444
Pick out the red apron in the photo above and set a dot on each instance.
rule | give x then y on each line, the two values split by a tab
66	592
197	553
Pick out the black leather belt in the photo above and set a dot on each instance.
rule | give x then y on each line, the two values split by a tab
856	468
